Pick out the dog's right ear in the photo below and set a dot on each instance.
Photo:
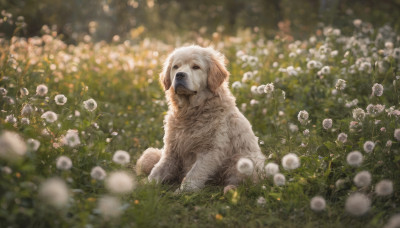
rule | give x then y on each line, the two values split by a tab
165	77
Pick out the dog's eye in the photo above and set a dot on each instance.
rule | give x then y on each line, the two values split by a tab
176	67
195	67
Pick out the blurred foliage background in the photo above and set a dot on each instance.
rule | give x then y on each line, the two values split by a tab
165	19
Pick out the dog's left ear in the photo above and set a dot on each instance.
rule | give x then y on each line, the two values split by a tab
218	73
165	74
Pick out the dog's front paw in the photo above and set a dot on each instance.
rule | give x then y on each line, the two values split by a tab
189	186
155	175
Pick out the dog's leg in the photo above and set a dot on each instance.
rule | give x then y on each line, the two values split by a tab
205	166
165	170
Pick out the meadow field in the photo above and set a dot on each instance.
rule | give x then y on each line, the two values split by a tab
76	117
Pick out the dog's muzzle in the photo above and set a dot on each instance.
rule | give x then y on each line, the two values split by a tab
180	85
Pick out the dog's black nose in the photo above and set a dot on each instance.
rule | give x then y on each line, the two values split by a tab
180	75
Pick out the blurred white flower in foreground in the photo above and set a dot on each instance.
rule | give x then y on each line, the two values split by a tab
120	182
394	222
12	146
49	116
90	105
121	157
54	192
109	207
245	166
357	204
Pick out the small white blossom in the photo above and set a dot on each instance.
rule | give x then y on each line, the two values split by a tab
260	89
354	158
269	88
121	157
64	163
358	114
60	99
340	84
397	134
11	119
71	138
369	146
33	144
362	179
357	204
49	116
98	173
317	203
12	146
377	89
109	207
271	169
342	137
384	188
303	117
290	161
245	166
327	123
90	105
237	85
27	110
120	182
261	200
279	179
25	121
394	222
41	90
3	91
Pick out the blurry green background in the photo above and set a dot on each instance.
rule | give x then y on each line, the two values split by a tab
165	19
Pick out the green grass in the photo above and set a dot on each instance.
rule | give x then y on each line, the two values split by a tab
123	79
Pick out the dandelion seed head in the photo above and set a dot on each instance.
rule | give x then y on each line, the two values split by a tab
63	163
260	89
27	110
290	161
11	119
98	173
369	146
49	116
327	123
269	88
279	179
3	91
271	169
354	158
342	137
120	182
303	117
384	188
60	99
33	144
121	157
340	84
358	114
90	105
357	204
397	134
261	200
54	192
394	222
71	138
362	179
237	85
109	207
12	146
245	166
377	89
317	203
41	90
25	121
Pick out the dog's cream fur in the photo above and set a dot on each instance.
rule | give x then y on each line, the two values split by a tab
205	133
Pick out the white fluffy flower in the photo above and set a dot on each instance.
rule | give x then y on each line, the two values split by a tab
237	85
260	89
317	203
63	163
377	89
290	161
369	146
358	114
394	222
362	179
54	192
41	90
261	200
340	84
279	179
397	134
121	157
11	119
71	138
109	207
271	169
354	158
49	116
90	105
303	117
60	99
98	173
25	121
269	88
357	204
3	91
384	188
245	166
342	137
327	123
27	110
11	146
33	144
120	182
325	70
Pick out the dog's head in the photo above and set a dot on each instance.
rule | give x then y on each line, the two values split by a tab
193	69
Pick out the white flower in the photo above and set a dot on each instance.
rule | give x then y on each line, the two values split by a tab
120	182
27	110
71	138
49	116
237	85
293	127
54	192
260	89
253	102
303	117
279	179
325	70
389	143
397	134
269	88
290	161
24	92
271	169
11	146
357	204
362	179
369	146
357	22
377	89
63	163
33	144
245	166
327	123
3	91
340	84
121	157
317	203
60	99
394	222
261	200
41	90
109	207
98	173
384	188
312	64
354	158
358	114
342	137
11	119
90	105
306	132
25	121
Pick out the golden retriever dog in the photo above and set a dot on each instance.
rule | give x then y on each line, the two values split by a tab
205	133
